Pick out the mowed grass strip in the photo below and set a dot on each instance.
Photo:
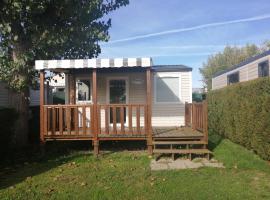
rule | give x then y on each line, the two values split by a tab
126	175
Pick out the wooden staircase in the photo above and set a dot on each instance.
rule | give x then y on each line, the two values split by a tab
182	147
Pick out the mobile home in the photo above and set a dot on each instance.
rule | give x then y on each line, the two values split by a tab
252	68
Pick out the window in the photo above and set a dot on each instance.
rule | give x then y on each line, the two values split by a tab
167	89
61	89
83	90
263	69
233	78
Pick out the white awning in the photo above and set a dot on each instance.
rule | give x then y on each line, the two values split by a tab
93	63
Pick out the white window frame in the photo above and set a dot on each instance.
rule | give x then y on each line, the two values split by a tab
91	97
167	75
126	79
108	87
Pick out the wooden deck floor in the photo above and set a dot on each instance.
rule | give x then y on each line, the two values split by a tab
158	132
172	132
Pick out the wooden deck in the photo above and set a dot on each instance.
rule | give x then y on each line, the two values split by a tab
158	132
176	132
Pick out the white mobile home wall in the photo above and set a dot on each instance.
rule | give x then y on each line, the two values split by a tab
246	72
162	114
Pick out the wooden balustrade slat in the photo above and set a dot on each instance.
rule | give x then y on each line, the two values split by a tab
53	121
49	119
84	120
130	119
114	120
138	120
145	118
76	121
107	119
98	119
122	120
61	120
45	121
68	120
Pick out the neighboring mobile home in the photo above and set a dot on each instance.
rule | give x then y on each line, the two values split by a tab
10	98
254	67
118	99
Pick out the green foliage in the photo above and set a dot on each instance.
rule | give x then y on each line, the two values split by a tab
34	125
241	112
47	29
198	97
230	56
7	123
59	97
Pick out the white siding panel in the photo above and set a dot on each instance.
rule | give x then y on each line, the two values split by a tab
34	97
173	114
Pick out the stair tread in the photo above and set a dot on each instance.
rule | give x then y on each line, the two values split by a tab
179	142
182	151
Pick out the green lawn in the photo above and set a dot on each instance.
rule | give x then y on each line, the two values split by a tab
77	174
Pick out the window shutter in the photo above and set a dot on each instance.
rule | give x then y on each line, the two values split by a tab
167	89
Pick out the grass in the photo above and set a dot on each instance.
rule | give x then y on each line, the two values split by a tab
76	174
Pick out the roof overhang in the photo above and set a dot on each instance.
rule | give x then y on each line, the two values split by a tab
171	68
93	63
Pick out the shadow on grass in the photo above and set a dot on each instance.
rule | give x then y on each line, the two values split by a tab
214	141
18	165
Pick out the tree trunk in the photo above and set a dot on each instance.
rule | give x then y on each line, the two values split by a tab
21	129
20	101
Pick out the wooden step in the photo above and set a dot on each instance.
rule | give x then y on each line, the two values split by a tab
178	142
183	151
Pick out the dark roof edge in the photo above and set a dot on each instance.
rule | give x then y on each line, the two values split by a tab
247	61
170	68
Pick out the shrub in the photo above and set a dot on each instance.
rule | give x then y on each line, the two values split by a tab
8	119
34	125
241	113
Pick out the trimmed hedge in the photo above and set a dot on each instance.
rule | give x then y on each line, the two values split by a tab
241	113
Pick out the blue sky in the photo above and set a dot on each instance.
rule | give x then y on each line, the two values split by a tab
185	31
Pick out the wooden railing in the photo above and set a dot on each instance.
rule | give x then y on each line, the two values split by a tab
122	119
111	119
196	116
67	120
188	114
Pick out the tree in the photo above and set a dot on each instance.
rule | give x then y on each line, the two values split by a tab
49	29
230	56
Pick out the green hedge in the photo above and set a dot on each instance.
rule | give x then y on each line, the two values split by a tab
8	119
241	112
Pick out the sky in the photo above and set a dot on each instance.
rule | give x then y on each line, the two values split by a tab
185	31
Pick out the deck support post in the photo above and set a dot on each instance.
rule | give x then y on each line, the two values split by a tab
96	147
95	114
41	90
149	110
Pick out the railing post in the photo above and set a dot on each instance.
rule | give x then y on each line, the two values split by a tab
205	120
192	116
41	90
149	109
95	114
71	80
